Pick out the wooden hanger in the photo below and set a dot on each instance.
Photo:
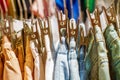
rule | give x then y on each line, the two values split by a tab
9	32
83	39
73	29
25	9
35	36
63	24
112	17
44	30
42	36
96	20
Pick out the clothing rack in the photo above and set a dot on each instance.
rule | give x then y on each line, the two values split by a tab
34	53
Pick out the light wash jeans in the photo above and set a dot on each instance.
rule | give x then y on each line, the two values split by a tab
73	63
61	71
82	70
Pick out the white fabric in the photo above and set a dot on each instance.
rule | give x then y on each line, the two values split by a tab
36	61
49	61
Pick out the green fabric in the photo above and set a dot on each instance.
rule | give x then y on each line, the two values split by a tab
87	57
90	4
97	59
113	44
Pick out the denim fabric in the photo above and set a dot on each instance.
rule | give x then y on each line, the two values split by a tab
99	69
73	63
88	63
82	70
61	71
113	44
103	64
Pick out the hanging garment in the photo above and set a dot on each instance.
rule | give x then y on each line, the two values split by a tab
36	61
113	44
28	8
61	71
38	8
88	63
42	69
11	65
1	67
82	70
11	8
73	63
103	64
3	6
20	55
99	69
60	5
49	67
28	66
90	4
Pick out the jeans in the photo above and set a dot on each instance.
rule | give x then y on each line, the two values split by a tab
82	69
88	63
61	71
73	63
113	44
99	69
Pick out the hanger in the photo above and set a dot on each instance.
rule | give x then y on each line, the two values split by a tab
8	31
96	20
63	24
25	9
35	36
44	30
83	39
73	29
42	42
110	18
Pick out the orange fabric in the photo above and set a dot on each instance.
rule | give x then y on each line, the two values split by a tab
28	66
1	68
11	64
20	56
42	69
